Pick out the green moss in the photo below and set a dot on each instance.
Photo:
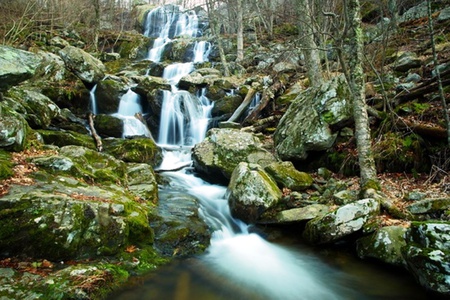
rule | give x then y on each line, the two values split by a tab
5	165
65	138
139	150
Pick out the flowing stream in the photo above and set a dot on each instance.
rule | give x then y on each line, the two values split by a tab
241	264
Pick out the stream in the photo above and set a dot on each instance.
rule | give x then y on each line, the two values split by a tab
240	262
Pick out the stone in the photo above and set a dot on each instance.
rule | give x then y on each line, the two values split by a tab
223	149
407	61
385	245
286	175
427	206
342	222
14	129
251	192
17	66
296	215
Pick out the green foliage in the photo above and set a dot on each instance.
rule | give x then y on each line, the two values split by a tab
286	29
5	165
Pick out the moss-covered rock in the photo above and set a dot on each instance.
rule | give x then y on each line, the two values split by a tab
137	150
142	181
286	175
226	105
108	94
251	192
385	244
14	129
5	165
223	149
108	126
66	138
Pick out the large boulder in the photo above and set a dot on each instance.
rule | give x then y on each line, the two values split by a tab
286	175
344	221
427	255
223	149
310	121
251	192
38	109
385	245
86	67
13	129
60	218
136	150
295	215
16	66
108	126
142	181
66	138
108	93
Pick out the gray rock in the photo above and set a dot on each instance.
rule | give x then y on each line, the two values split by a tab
427	255
251	192
82	64
296	215
305	127
16	66
444	15
286	175
427	206
344	221
223	149
385	245
13	129
407	61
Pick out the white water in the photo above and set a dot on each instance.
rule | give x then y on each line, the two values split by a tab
93	100
129	106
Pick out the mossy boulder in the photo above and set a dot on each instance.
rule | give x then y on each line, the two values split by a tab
108	94
137	150
223	149
108	126
147	84
142	181
427	255
86	67
39	112
17	66
286	175
429	206
179	229
14	129
66	138
226	105
251	192
341	223
5	165
295	215
60	218
385	245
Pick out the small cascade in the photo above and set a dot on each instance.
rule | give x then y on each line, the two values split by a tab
129	106
166	22
93	100
201	51
174	72
255	101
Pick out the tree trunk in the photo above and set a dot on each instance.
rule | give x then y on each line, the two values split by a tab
310	50
238	112
212	18
240	32
355	76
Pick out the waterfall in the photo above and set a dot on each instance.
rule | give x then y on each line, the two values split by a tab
93	100
201	51
129	106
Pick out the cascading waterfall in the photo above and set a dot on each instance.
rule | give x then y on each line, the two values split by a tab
129	106
93	100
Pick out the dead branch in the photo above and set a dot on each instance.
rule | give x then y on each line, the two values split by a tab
97	138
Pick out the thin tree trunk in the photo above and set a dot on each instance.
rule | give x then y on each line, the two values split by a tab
438	74
97	138
240	32
368	175
212	18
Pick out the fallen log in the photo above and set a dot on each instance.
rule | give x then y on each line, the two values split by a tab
262	124
240	110
97	138
426	87
424	130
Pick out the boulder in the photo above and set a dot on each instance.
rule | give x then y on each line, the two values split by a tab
307	124
66	138
38	109
86	67
339	224
147	84
136	150
226	105
427	255
16	66
428	206
108	126
142	181
286	175
296	215
108	94
179	229
385	245
251	192
14	129
407	61
60	218
223	149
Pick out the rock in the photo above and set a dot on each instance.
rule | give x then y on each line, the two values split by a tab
66	138
427	255
108	126
108	94
136	150
251	192
415	12
385	245
86	67
407	61
305	127
147	84
16	66
226	105
14	129
142	181
428	206
344	197
444	15
39	110
223	149
193	80
286	175
296	215
179	230
63	219
346	220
